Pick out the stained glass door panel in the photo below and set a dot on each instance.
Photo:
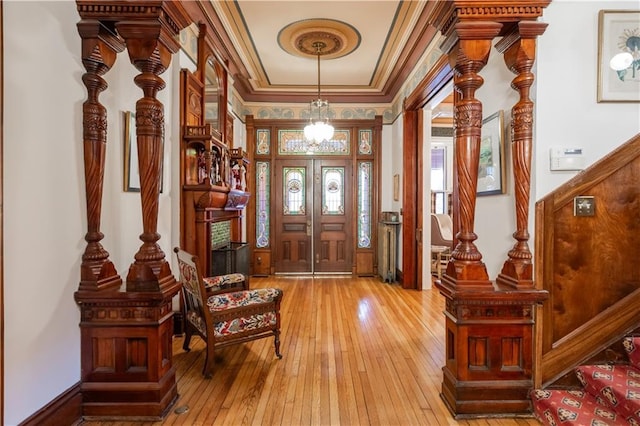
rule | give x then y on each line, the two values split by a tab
293	216
313	216
333	233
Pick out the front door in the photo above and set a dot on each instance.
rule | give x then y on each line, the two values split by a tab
313	213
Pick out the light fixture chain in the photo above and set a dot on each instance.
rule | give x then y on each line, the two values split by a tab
319	48
320	131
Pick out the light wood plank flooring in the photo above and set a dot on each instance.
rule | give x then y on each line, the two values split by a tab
355	352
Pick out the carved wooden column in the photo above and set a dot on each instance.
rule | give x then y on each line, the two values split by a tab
99	50
151	55
489	327
468	56
127	370
519	49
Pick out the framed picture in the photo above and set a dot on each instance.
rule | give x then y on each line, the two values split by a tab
618	57
491	167
396	187
131	173
189	42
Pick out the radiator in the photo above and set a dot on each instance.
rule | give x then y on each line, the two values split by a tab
387	250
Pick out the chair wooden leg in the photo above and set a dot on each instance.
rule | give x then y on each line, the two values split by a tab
187	338
209	361
276	343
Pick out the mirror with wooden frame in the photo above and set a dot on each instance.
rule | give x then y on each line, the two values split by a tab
211	93
212	74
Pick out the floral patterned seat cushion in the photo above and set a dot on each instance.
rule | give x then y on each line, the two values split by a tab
220	282
222	302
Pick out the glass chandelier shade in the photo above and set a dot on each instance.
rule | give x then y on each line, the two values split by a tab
319	130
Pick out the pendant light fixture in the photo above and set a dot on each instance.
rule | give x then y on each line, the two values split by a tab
320	130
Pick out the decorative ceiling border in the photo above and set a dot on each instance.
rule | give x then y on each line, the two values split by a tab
389	112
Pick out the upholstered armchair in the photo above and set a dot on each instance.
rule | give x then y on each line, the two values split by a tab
222	317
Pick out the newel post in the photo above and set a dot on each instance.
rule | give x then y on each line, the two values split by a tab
127	370
489	337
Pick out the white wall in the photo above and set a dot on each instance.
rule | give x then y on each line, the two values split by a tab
567	111
44	196
389	143
44	222
495	214
391	164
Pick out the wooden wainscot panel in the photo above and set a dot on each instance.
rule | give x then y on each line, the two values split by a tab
489	342
364	263
261	262
126	363
589	263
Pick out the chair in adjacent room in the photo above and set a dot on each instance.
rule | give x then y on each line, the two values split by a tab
441	230
441	241
221	317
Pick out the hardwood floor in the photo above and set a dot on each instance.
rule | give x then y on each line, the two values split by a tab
356	351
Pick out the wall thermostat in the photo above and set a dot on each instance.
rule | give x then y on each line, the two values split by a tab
566	158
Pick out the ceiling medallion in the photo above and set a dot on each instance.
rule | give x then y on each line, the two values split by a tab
300	38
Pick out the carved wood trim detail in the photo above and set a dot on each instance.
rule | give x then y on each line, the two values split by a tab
591	338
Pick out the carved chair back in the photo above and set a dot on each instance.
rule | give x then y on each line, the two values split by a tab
196	311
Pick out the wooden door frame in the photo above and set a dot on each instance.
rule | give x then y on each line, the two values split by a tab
412	149
262	260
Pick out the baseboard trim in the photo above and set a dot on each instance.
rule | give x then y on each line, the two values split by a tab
66	409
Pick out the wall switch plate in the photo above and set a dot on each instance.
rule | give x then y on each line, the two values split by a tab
584	206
